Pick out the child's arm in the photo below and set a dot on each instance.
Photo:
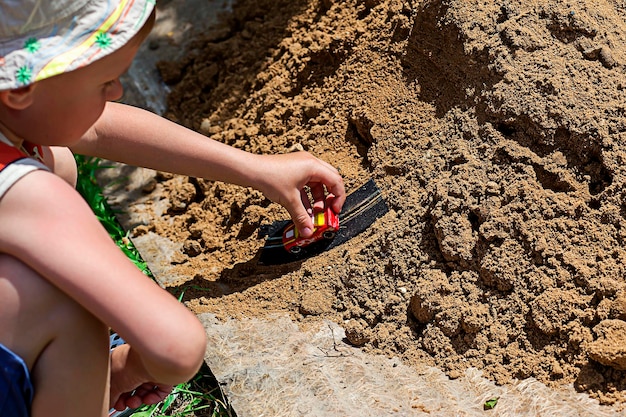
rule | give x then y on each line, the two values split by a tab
47	225
137	137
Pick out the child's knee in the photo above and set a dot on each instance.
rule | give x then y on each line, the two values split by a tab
27	286
34	312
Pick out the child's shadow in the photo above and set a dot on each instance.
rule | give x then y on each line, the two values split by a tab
243	275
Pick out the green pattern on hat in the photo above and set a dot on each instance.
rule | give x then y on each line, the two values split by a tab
103	40
32	45
23	75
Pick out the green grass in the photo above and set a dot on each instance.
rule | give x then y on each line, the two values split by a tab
200	397
189	399
92	193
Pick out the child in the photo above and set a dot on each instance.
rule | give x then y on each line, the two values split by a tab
63	283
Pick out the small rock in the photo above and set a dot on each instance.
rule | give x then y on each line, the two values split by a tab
420	309
454	374
205	125
357	333
192	248
492	187
149	186
316	302
602	54
618	306
609	348
606	57
296	147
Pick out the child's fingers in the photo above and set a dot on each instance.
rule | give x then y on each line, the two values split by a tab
145	394
132	401
300	214
153	397
319	196
304	198
122	402
334	185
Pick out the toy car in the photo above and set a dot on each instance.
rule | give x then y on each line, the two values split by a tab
325	226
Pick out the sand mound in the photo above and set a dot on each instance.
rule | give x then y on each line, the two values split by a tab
496	134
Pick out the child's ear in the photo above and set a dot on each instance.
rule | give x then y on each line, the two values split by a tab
18	98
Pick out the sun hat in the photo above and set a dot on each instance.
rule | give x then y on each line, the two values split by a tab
43	38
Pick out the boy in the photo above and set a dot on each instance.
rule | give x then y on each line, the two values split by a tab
63	283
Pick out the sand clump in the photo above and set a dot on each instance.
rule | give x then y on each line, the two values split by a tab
496	133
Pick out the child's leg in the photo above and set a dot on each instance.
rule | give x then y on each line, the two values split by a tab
63	345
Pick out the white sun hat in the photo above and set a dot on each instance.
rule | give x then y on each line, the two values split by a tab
40	39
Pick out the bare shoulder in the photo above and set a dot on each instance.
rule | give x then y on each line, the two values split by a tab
37	199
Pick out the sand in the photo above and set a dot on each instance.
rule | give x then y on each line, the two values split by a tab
496	133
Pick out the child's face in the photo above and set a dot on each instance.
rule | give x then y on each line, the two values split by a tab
64	107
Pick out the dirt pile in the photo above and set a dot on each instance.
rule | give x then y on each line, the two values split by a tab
497	136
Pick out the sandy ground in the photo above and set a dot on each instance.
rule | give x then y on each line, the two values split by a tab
496	134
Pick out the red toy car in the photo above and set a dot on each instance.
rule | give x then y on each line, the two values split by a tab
325	226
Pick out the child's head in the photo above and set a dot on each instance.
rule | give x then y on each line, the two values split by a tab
60	61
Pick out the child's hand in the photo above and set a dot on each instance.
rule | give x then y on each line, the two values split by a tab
284	179
129	387
146	393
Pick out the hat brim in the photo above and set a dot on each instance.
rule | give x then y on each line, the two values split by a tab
95	30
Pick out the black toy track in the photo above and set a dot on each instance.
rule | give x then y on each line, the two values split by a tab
361	209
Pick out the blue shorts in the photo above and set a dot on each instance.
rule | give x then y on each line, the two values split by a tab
16	388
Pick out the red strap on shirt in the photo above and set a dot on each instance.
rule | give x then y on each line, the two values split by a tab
9	154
